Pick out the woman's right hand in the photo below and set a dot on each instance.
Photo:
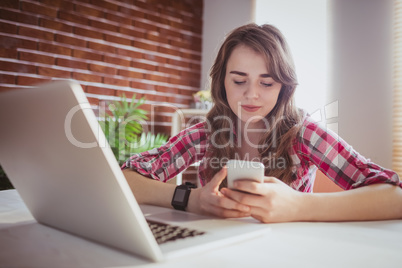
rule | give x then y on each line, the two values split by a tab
208	200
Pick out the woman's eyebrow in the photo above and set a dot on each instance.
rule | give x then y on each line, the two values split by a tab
245	74
238	73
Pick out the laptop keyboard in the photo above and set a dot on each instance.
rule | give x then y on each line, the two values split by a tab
164	232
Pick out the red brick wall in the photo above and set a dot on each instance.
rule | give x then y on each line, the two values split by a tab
151	48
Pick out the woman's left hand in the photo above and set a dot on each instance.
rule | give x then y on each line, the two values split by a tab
272	201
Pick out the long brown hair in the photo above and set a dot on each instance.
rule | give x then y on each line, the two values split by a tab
284	118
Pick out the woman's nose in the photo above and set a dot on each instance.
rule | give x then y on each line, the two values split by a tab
252	92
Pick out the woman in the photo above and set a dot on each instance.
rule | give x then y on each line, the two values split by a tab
254	118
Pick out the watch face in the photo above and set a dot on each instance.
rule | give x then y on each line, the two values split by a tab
179	195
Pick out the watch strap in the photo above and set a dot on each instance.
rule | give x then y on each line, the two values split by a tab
181	196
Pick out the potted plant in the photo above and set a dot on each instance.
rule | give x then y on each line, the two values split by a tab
122	126
5	183
203	99
148	141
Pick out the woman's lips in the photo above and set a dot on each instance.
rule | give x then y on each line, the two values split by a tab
251	108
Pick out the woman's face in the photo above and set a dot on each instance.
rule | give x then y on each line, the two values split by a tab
251	91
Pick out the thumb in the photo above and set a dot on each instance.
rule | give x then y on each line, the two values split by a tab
219	177
270	179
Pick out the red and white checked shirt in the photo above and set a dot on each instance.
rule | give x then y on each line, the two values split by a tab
314	147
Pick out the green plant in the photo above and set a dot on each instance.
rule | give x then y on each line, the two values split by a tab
5	183
148	141
123	128
2	173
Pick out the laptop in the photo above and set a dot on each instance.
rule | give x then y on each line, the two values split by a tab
57	157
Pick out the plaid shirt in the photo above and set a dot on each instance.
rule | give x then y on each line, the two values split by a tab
314	147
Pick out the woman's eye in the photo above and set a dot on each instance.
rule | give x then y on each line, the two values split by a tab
239	82
267	84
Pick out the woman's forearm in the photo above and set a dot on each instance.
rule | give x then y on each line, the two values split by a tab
152	192
374	202
149	191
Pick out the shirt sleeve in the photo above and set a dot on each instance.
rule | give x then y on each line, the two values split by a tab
165	162
338	160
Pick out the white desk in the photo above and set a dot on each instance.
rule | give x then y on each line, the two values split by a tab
25	243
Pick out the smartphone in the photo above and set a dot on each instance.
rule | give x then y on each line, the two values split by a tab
247	170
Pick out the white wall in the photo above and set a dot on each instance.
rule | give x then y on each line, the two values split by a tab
304	25
220	17
361	79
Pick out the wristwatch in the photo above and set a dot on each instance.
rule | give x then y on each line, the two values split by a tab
181	195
